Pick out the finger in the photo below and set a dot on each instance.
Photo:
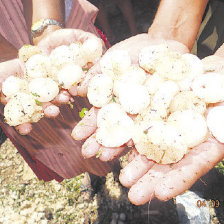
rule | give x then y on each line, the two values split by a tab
24	129
144	189
132	155
186	172
73	90
87	126
3	98
130	143
83	87
62	98
108	154
90	147
135	170
50	110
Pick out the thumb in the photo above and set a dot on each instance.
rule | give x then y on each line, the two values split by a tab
83	88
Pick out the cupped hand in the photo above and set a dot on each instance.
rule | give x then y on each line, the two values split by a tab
47	44
87	126
147	179
15	67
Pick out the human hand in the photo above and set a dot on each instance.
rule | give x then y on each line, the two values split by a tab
148	180
15	67
51	41
88	126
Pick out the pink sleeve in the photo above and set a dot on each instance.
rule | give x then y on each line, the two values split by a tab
12	23
83	16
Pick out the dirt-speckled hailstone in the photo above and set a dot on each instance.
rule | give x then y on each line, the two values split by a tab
109	112
44	89
164	95
100	90
192	125
38	66
20	109
61	55
26	51
148	55
153	83
161	142
215	122
172	66
195	69
77	54
113	124
209	87
92	49
115	63
134	98
70	74
13	85
187	100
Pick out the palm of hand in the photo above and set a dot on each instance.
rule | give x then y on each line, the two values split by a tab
147	179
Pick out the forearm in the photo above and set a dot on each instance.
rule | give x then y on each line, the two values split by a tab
7	50
36	10
178	20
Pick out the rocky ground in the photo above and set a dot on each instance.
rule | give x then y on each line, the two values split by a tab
26	200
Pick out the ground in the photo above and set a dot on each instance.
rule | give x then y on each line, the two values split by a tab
26	200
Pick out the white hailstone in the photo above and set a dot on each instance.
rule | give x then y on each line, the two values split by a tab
113	124
22	108
172	66
92	49
192	125
26	51
43	89
115	63
215	122
38	66
153	83
134	74
69	75
13	85
164	95
76	49
213	63
209	87
100	90
60	56
160	142
195	69
187	100
134	98
149	54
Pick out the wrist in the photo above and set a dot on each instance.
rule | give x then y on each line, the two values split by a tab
39	36
157	31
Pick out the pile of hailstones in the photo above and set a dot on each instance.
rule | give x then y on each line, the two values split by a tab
160	104
45	76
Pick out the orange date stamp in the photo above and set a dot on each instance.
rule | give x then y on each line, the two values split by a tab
210	203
